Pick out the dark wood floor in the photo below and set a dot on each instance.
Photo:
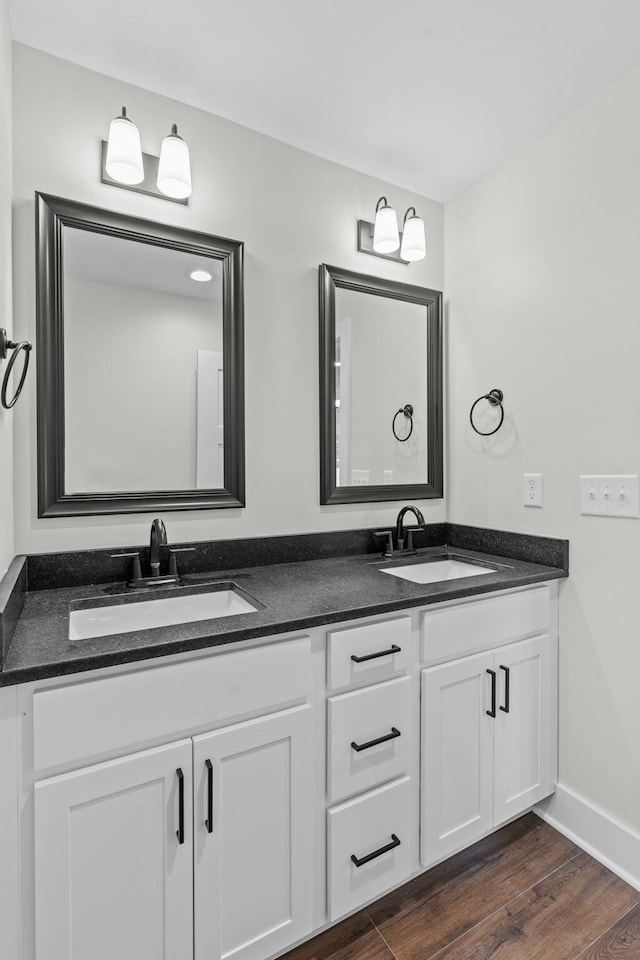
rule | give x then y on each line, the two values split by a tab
524	893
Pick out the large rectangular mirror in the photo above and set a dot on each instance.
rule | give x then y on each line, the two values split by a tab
140	364
380	389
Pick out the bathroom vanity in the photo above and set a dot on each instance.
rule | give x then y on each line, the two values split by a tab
227	790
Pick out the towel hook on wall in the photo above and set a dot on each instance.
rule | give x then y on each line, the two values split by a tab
18	348
495	398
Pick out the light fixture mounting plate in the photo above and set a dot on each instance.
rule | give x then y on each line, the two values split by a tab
148	185
365	243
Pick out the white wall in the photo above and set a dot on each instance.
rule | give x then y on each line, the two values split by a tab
542	300
292	210
6	321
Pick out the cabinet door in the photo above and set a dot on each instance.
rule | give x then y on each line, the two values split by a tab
112	876
524	727
457	755
254	830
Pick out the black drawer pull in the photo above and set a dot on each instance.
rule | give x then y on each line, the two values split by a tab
507	692
374	656
492	712
360	861
209	821
180	830
374	743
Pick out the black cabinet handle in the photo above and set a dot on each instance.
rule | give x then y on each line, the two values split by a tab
180	830
492	712
394	648
360	861
507	676
209	821
374	743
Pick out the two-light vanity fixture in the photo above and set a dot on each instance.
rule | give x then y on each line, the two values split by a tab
125	165
383	239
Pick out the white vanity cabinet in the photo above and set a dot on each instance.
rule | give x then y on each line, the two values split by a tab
488	721
204	844
112	876
224	806
370	760
253	830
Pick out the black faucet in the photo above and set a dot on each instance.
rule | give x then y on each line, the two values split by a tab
158	539
400	524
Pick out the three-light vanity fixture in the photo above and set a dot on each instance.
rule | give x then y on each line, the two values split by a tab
383	239
125	165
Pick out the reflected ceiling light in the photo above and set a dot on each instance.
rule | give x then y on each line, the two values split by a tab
124	153
174	168
385	232
413	245
382	238
201	276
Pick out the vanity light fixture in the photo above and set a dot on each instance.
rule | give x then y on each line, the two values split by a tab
386	238
200	276
124	153
382	238
174	168
413	241
124	164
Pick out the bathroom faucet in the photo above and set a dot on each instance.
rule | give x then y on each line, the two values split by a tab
158	539
400	524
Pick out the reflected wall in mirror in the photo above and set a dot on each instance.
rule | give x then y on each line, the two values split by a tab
140	364
381	389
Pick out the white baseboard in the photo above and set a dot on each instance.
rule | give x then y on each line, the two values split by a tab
609	842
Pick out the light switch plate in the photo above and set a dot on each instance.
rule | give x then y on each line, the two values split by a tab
532	496
610	496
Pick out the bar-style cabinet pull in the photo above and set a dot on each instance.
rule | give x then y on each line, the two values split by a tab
209	821
492	712
360	861
180	830
394	648
507	696
374	743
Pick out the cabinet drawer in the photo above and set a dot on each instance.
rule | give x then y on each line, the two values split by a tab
449	632
361	718
116	713
361	828
382	649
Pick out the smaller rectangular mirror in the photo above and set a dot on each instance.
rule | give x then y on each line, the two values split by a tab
380	389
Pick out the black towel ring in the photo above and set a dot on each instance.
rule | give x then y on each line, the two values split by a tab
407	410
495	398
23	346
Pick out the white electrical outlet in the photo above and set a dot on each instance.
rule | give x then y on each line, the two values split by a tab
610	496
533	489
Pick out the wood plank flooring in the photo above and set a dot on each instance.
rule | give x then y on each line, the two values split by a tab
524	893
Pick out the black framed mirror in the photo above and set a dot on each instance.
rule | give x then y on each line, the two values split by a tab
380	389
140	354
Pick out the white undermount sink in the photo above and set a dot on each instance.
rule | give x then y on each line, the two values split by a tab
435	571
103	619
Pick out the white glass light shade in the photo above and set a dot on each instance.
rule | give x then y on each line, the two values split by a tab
413	242
386	238
124	153
201	276
174	168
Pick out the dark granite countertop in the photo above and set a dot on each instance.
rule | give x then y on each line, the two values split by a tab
295	596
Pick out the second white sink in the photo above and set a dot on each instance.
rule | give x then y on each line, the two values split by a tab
103	620
434	571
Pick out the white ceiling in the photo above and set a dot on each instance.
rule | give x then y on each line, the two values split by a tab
427	94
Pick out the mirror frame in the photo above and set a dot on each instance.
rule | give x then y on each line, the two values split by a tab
332	278
54	213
